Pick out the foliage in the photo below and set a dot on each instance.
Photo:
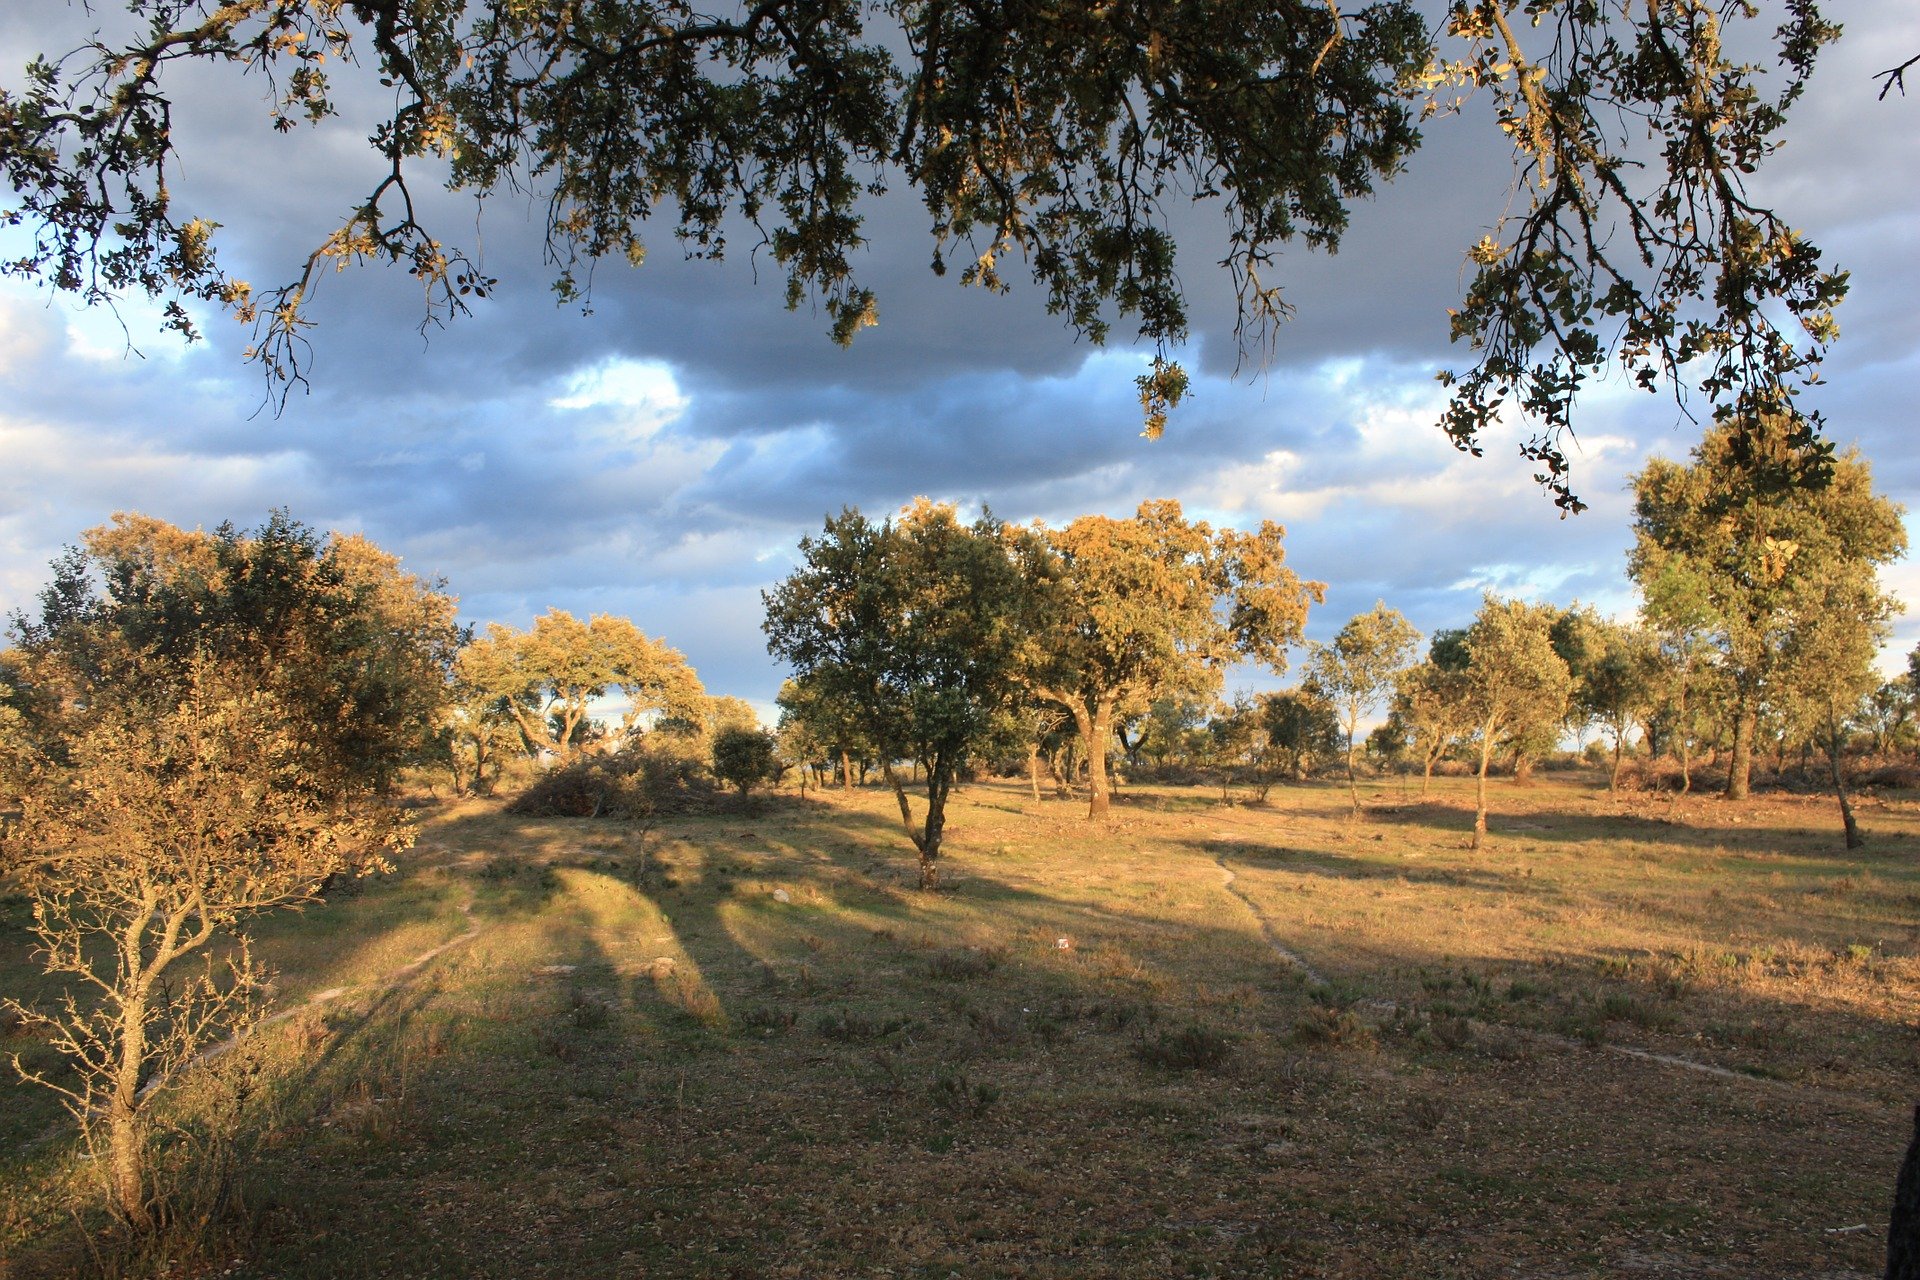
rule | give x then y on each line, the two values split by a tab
642	778
196	738
1302	727
1826	669
345	640
477	734
1430	702
811	719
1514	682
1619	685
912	627
1723	550
1166	727
1887	714
547	677
1358	670
1600	265
1133	610
1241	747
743	756
1068	135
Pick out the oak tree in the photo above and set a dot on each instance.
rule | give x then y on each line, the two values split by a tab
548	677
1619	685
1514	682
743	756
1148	607
1729	543
1357	670
1302	728
199	728
913	626
1826	669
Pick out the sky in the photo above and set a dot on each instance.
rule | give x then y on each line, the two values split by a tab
661	457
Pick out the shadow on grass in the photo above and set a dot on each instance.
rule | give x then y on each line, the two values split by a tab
835	1073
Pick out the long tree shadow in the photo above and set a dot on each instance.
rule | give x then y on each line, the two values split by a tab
836	1074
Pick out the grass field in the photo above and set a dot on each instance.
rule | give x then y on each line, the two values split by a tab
1637	1037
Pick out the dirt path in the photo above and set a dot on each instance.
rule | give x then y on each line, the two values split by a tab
1266	926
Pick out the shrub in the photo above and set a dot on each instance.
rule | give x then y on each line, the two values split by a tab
953	1092
637	781
961	966
1325	1024
743	757
1188	1048
849	1027
589	1012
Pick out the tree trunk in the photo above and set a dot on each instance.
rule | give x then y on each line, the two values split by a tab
937	790
1033	769
125	1153
1740	768
1836	764
1903	1232
1097	731
1426	776
846	770
1613	779
926	840
1353	787
1480	794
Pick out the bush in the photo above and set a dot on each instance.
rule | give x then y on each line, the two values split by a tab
636	781
849	1027
962	966
1330	1025
743	757
1188	1048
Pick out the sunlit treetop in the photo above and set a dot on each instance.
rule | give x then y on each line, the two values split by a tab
1059	136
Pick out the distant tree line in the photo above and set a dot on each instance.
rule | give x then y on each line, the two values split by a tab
1761	618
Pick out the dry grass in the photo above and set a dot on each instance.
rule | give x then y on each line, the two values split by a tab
744	1046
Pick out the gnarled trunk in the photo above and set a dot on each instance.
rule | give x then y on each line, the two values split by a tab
1097	730
926	837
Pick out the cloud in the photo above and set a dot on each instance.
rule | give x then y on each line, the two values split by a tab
662	456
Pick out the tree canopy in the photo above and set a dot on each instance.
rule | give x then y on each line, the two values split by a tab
912	626
548	676
1069	137
1132	610
339	633
1720	550
1513	681
198	726
1357	670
